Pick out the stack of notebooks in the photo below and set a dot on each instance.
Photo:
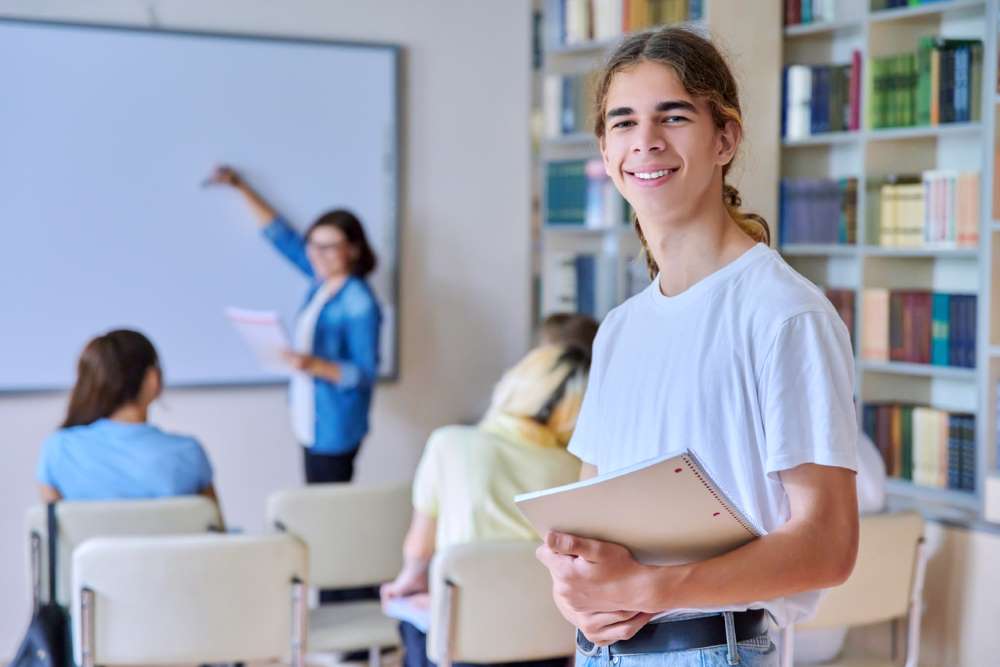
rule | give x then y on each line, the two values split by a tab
941	83
665	511
821	98
920	327
926	446
818	210
798	12
938	208
571	22
579	192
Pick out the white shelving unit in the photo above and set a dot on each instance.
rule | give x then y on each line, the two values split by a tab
617	245
870	154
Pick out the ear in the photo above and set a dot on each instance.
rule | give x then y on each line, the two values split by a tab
727	143
602	145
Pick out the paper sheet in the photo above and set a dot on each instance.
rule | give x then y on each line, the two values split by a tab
265	335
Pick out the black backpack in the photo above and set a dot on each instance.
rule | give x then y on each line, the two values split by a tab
47	642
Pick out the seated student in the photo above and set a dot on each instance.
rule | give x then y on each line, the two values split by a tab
468	476
814	647
105	448
568	329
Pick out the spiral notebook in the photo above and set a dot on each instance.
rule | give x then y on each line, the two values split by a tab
666	511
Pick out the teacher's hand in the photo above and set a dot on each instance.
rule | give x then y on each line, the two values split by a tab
300	362
225	175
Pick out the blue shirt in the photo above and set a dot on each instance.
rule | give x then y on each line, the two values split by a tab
107	460
347	333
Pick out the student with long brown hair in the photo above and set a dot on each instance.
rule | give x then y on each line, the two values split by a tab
729	353
106	448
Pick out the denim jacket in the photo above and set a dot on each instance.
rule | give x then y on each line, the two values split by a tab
347	333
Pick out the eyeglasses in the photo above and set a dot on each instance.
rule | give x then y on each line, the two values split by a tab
325	247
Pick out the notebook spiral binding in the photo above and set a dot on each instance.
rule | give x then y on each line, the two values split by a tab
722	501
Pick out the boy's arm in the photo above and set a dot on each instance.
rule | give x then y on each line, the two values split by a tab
815	549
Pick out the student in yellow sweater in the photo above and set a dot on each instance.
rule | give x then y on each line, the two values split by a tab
468	476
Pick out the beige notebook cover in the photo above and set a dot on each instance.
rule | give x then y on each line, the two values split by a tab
665	511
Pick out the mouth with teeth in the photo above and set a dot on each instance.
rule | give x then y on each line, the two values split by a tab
652	177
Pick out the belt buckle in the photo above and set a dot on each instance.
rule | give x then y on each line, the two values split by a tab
581	641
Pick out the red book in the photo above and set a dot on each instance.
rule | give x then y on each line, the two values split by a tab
854	93
923	323
897	326
793	12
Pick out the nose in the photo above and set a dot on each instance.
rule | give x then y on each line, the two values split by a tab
648	139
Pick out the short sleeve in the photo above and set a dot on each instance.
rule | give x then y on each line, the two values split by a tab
203	467
426	482
586	439
807	394
47	461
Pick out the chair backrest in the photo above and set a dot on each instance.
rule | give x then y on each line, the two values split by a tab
492	602
354	532
880	587
82	520
188	599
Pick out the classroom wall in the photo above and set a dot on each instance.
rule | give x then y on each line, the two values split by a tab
465	283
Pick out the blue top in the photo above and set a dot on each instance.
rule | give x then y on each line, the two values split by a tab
108	460
347	333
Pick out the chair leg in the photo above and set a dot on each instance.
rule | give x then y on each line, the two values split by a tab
87	627
375	656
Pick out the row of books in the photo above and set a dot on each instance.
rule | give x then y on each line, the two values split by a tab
940	83
927	446
918	326
899	4
568	104
809	11
579	192
844	301
818	210
821	98
579	21
938	208
571	284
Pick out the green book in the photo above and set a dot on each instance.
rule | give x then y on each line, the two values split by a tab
923	101
976	81
939	329
906	442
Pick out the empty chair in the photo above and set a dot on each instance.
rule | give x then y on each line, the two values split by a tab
492	602
886	585
189	600
80	521
354	534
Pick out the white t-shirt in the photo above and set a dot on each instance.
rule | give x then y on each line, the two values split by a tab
750	368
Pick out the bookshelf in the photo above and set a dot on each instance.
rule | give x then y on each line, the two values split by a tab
618	272
874	154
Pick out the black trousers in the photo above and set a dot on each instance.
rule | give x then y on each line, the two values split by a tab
415	652
326	469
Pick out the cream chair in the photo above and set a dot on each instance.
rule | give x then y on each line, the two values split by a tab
189	600
492	602
886	585
355	537
82	520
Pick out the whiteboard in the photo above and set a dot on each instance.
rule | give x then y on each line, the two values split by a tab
105	136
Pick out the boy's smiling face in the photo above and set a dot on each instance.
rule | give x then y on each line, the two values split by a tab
661	146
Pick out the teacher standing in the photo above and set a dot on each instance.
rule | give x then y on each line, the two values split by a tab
336	341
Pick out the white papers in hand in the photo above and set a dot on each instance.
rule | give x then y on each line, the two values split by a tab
265	335
414	609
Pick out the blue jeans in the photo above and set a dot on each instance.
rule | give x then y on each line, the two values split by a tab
756	652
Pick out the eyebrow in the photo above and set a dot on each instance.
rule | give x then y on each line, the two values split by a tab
669	105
